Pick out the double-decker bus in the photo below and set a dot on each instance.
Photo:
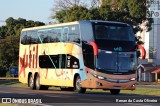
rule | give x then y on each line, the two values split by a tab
79	55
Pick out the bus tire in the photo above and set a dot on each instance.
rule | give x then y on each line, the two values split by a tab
78	85
31	82
115	91
37	83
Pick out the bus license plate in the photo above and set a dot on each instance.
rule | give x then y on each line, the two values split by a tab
117	87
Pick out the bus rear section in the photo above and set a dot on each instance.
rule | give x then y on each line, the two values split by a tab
52	56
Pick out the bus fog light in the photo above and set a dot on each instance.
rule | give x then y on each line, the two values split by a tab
99	84
133	85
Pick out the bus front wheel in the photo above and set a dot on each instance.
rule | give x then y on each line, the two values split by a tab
78	86
115	91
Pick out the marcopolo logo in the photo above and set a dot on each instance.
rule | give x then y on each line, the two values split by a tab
153	8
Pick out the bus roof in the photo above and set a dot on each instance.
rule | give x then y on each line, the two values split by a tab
50	26
101	21
72	23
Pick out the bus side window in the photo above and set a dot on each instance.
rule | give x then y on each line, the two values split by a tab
49	61
65	34
46	38
74	35
59	34
56	35
34	37
88	55
41	36
23	37
49	36
28	38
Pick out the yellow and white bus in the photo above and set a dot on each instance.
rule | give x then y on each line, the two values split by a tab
79	55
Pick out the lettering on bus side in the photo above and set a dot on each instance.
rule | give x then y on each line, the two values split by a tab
23	64
33	56
31	59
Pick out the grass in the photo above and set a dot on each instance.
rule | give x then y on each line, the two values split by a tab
143	91
14	83
138	91
3	104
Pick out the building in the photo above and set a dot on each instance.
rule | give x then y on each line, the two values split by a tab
151	38
152	46
148	73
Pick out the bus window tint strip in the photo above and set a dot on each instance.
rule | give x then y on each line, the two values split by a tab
65	61
51	35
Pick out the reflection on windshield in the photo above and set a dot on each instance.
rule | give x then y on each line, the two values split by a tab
123	33
116	61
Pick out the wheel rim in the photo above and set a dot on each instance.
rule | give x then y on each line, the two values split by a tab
78	84
37	82
31	82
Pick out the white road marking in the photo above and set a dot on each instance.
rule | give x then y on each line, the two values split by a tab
4	92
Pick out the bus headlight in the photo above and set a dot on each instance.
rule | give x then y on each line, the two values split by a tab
133	79
98	76
95	75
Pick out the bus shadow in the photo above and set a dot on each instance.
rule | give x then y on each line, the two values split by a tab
101	93
120	94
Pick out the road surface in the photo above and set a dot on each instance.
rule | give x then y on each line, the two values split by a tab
68	98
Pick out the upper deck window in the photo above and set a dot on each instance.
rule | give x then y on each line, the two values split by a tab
66	33
114	32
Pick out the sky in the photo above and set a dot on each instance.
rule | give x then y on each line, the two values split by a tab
37	10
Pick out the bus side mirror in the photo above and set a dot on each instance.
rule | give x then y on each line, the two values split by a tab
142	51
95	48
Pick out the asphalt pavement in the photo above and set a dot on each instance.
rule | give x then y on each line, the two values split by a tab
26	96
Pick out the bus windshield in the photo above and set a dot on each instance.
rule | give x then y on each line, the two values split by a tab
114	32
116	62
116	47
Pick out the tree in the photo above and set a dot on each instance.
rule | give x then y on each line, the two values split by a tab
73	14
14	26
9	52
66	4
9	41
3	30
132	12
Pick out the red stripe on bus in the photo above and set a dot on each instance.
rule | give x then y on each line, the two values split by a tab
95	48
